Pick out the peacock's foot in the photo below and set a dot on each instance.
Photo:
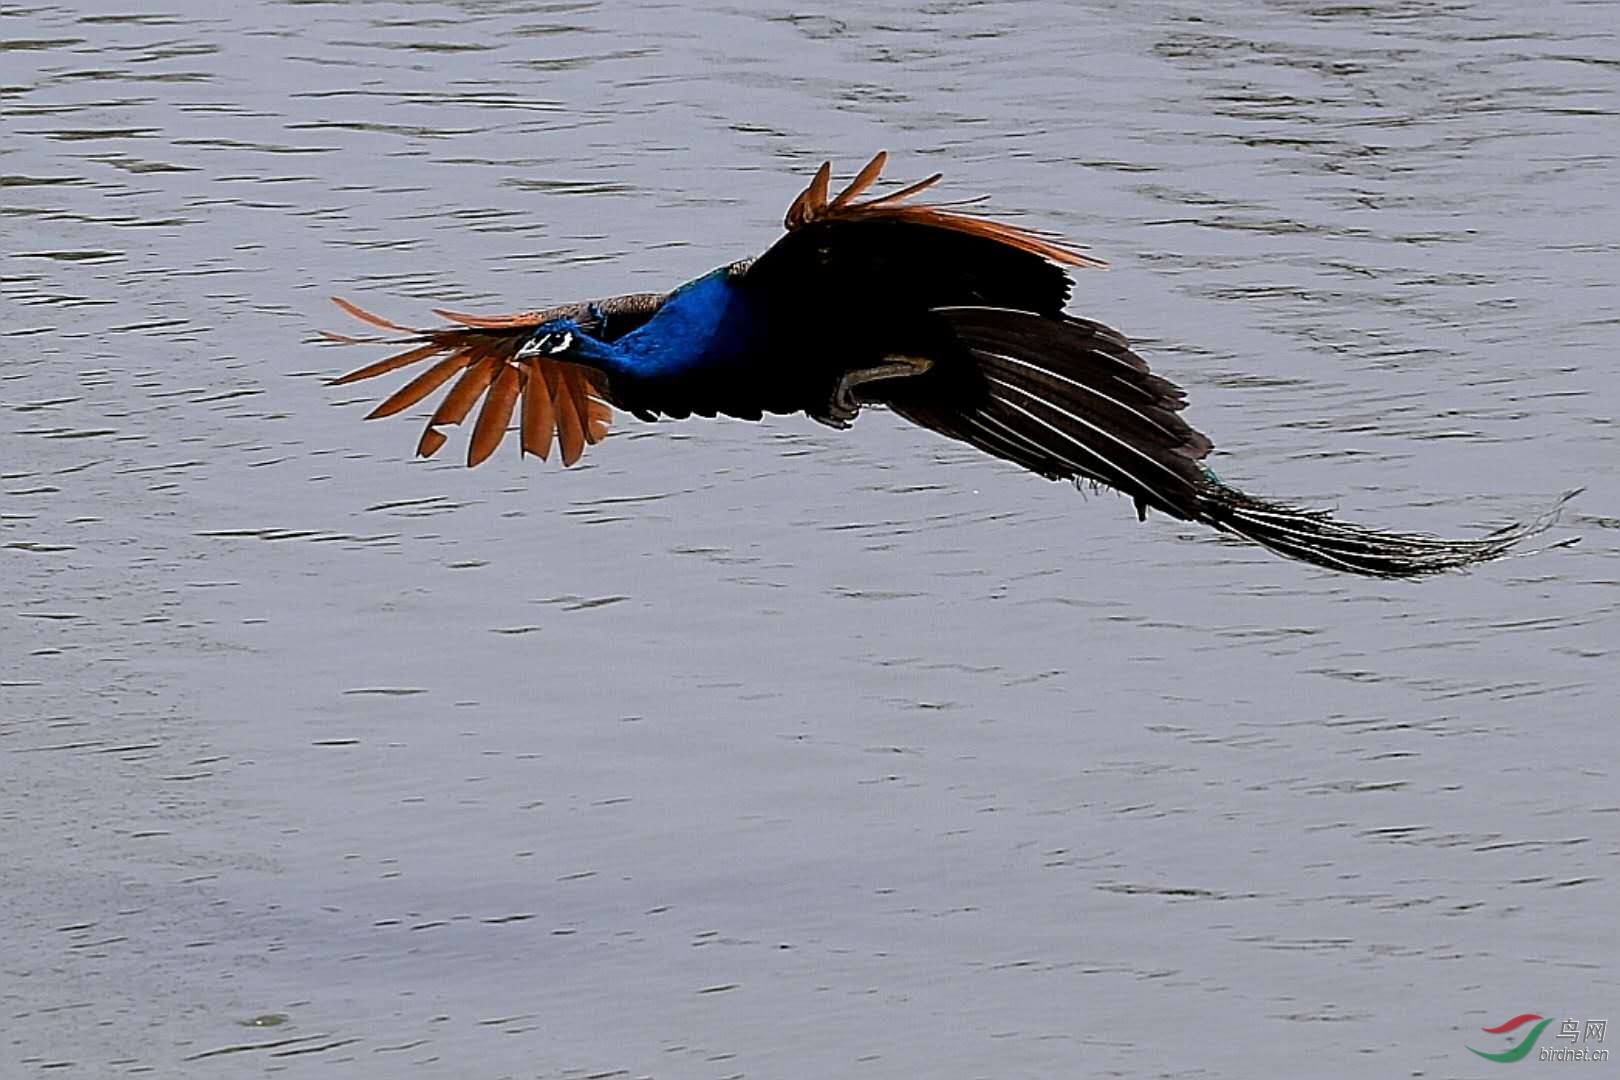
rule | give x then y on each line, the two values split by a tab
843	407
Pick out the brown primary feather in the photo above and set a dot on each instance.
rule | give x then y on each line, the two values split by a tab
539	419
1024	239
581	389
579	386
812	201
462	396
598	418
430	443
863	180
812	206
906	192
494	416
391	363
421	386
570	429
367	317
491	322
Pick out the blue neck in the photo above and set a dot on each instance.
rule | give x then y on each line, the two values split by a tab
706	324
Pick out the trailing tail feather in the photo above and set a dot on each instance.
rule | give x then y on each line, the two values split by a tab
1067	398
1315	536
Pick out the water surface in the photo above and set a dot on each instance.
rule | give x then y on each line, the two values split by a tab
766	750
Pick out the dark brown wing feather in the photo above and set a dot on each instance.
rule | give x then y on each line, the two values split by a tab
455	405
1066	398
539	421
570	424
496	414
812	206
384	366
423	385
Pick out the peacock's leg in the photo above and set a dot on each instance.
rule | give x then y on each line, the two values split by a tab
843	407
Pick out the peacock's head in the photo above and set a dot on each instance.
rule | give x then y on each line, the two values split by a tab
560	338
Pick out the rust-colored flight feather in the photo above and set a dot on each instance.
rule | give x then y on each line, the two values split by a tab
598	417
570	424
392	363
906	192
432	440
491	322
862	181
595	414
367	317
579	388
462	396
494	417
812	201
421	386
539	419
1023	239
812	206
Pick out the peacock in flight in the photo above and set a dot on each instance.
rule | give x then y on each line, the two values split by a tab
950	319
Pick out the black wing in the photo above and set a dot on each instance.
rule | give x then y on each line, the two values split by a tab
885	260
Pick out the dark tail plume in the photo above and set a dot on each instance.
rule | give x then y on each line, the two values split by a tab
1067	398
1317	537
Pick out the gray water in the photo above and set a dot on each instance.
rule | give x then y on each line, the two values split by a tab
768	750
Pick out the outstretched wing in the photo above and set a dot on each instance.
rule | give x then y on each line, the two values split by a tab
553	399
1067	398
844	253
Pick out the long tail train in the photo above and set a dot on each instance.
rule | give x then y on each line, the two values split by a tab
1317	537
1069	399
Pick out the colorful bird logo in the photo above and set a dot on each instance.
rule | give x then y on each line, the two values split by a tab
1524	1047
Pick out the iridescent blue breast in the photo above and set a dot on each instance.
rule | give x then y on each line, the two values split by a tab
708	326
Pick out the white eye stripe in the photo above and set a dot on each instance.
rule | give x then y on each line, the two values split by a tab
551	343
